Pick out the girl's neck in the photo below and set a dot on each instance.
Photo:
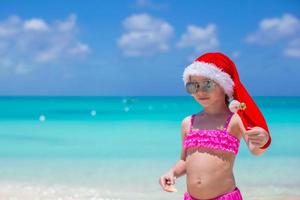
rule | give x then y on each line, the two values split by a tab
216	109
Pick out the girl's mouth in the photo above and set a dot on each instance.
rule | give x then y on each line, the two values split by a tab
203	98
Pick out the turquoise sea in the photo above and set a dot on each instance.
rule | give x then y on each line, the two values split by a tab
117	148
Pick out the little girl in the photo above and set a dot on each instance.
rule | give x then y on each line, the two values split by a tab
211	138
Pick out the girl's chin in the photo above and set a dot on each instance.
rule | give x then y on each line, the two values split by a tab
204	102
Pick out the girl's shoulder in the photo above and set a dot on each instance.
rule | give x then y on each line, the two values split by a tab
185	124
186	121
236	119
235	124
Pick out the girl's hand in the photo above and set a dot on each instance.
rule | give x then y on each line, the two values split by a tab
167	181
257	136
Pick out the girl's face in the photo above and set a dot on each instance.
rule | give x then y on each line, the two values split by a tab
210	97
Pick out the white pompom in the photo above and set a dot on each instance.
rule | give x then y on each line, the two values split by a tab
234	106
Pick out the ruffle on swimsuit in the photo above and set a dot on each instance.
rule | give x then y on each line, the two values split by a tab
212	138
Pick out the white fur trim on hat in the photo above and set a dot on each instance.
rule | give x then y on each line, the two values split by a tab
211	71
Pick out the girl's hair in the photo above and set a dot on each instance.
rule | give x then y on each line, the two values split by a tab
226	99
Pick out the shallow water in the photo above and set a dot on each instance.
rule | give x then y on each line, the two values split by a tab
117	147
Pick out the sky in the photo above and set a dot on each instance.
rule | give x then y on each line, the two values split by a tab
141	47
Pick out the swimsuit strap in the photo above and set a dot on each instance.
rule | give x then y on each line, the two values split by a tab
191	124
227	121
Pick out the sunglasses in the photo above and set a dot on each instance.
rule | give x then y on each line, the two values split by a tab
204	86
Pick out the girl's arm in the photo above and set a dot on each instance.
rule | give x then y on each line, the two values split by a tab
179	168
253	144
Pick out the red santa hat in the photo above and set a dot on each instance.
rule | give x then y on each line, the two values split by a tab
220	68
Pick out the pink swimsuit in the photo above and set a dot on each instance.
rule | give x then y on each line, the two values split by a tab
212	138
215	139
